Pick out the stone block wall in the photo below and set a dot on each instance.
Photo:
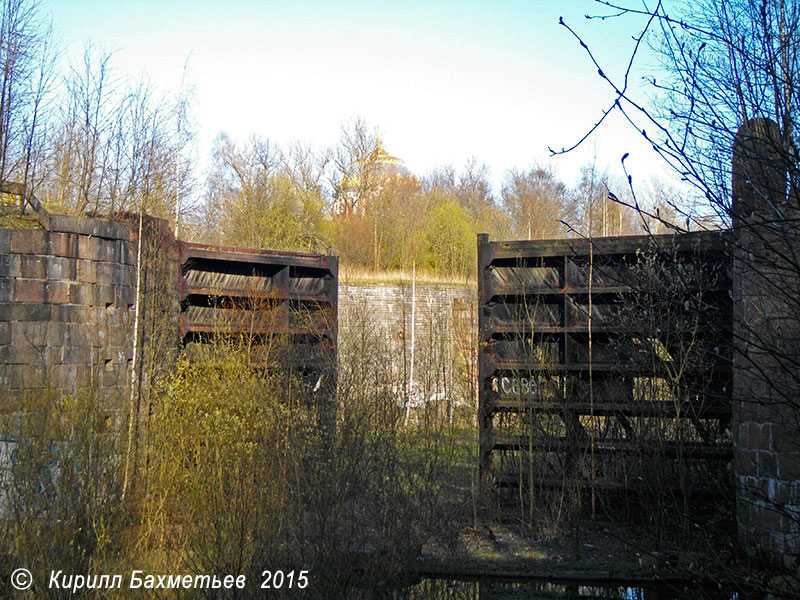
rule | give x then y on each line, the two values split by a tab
66	306
445	320
767	348
768	474
67	297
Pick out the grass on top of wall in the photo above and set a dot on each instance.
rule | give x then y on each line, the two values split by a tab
354	274
18	221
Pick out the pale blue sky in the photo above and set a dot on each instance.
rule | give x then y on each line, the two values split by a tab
443	81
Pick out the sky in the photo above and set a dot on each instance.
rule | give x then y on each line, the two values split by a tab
442	81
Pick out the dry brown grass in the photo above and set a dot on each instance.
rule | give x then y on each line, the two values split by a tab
356	274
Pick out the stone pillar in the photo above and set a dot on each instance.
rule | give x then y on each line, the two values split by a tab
766	375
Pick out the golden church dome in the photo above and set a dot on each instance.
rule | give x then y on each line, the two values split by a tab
367	176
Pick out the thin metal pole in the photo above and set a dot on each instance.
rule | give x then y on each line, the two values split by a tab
413	321
413	318
133	414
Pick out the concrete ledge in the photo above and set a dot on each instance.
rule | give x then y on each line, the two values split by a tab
92	227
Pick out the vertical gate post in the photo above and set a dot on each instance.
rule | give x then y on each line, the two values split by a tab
484	410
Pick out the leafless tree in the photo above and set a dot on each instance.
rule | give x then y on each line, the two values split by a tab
27	60
723	63
115	145
537	202
726	101
354	176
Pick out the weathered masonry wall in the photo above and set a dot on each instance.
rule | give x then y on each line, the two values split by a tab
67	302
66	306
767	305
444	316
390	306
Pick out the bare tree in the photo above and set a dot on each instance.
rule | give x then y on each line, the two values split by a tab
727	103
723	63
354	177
26	59
537	202
474	190
115	146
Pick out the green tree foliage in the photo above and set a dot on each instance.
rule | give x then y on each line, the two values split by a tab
279	217
404	209
394	213
385	235
260	202
450	240
471	188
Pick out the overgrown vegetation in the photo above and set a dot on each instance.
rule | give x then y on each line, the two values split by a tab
60	485
242	467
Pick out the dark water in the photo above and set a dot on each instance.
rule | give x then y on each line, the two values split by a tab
442	589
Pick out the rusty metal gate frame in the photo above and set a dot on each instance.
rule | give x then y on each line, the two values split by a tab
300	289
551	275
